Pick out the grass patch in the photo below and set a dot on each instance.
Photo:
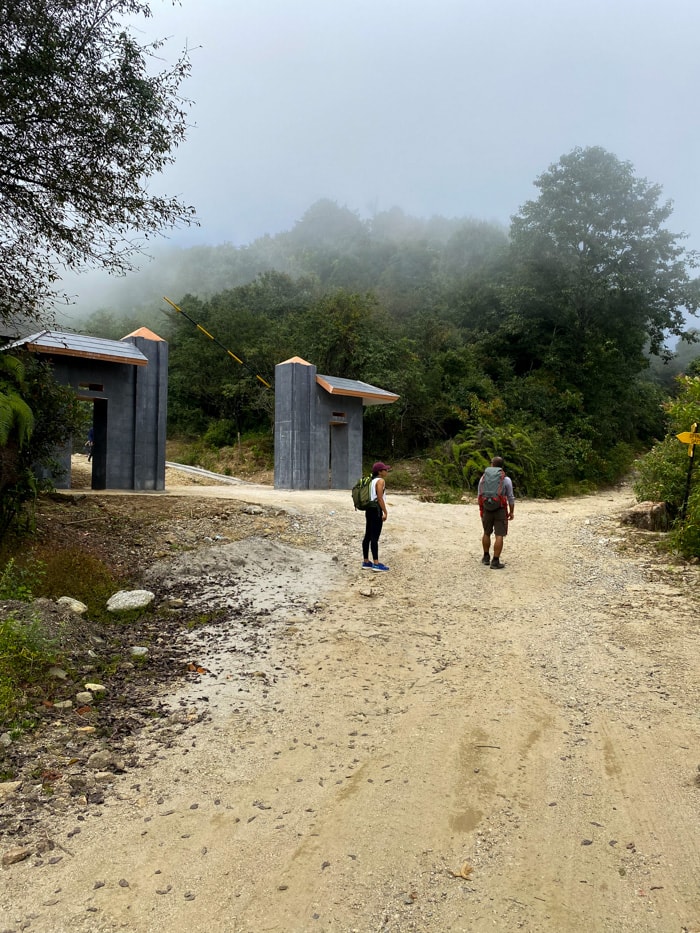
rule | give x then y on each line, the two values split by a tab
204	619
400	478
249	456
26	654
448	496
77	573
19	581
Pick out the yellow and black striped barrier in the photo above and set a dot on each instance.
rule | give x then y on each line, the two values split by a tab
217	342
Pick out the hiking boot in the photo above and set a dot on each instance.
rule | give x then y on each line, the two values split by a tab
380	568
486	559
367	565
496	564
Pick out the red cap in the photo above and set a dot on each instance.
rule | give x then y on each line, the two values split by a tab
378	467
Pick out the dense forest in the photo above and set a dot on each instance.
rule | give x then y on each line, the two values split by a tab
547	342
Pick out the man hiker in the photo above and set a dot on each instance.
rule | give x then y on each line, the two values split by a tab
496	508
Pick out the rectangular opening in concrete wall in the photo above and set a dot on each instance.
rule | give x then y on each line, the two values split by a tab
99	455
91	386
83	447
338	456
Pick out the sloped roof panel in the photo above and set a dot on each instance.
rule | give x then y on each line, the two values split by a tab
370	395
61	343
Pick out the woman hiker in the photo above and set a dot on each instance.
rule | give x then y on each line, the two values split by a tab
375	516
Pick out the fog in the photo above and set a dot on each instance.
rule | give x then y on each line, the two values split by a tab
446	107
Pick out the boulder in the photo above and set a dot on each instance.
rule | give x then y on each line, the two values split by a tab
74	605
125	600
650	516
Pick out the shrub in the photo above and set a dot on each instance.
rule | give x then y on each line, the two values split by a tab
20	582
25	655
221	433
663	472
77	573
685	535
56	415
400	478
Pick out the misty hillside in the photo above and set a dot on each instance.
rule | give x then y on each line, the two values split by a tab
547	342
409	264
392	254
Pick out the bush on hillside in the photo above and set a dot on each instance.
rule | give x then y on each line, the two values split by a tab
663	472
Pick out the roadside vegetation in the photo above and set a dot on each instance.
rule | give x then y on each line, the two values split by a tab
26	649
30	644
668	474
89	115
548	344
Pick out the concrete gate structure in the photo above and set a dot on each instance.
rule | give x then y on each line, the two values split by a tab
318	426
127	382
318	419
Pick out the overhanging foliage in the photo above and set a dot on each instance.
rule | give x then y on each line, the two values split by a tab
85	122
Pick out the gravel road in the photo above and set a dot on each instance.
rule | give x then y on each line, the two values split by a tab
440	748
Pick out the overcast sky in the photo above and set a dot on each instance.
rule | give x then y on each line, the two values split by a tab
446	107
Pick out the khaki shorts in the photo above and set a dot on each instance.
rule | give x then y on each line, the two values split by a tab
496	521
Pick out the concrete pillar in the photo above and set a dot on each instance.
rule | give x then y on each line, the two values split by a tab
295	403
150	410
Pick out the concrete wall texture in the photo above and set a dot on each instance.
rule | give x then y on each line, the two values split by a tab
318	419
150	414
129	416
318	436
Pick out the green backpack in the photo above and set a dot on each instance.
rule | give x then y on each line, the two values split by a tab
361	493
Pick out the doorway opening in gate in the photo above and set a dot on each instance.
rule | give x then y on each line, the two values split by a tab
89	453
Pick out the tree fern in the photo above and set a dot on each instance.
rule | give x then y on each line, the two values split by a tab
16	418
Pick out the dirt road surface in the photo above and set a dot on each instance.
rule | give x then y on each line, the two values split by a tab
440	748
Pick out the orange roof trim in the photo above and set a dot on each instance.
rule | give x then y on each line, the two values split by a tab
146	333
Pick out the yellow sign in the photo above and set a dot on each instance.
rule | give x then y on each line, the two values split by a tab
688	438
691	438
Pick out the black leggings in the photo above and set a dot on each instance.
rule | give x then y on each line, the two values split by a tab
373	528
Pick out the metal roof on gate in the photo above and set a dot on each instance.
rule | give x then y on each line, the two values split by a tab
53	342
370	395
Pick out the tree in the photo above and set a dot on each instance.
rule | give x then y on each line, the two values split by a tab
474	247
597	281
685	359
595	253
339	333
85	122
326	225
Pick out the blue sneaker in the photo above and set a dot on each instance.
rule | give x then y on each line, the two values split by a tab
367	565
380	568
